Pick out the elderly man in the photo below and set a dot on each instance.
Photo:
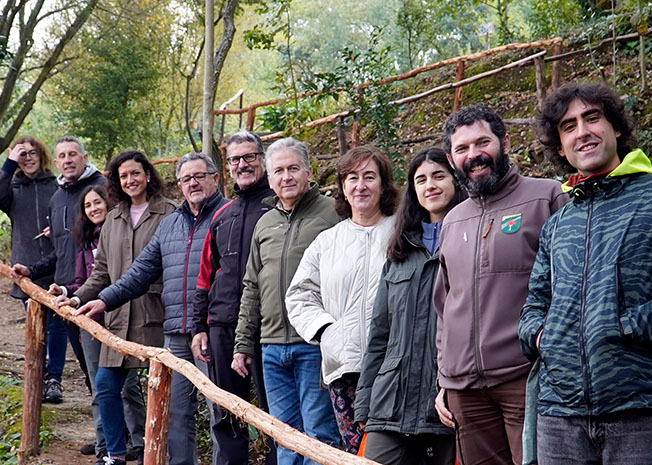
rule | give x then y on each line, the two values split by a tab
174	253
291	367
219	288
488	245
588	315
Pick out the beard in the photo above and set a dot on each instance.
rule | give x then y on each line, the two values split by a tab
485	185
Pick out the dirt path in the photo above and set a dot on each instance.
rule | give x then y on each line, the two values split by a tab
72	421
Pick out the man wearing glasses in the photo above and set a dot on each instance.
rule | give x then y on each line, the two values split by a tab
174	253
219	288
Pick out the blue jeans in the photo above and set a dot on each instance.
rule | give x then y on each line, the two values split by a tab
57	342
109	383
132	398
295	396
612	439
183	407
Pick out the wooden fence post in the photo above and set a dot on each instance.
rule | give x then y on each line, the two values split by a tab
341	136
555	78
459	75
540	77
33	380
251	118
158	412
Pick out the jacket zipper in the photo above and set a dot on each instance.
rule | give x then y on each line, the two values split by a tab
288	235
241	241
185	273
476	316
587	240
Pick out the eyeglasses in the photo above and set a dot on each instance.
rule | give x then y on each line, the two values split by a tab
199	177
247	157
30	154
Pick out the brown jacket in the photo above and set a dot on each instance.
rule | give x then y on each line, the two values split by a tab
140	320
488	246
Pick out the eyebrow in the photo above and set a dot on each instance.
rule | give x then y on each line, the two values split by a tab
583	115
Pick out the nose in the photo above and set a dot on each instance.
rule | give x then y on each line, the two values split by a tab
582	129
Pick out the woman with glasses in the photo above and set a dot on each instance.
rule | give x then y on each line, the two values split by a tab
135	184
26	186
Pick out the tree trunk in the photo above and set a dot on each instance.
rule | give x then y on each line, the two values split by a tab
209	89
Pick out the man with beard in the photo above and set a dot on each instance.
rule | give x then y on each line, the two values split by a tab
488	246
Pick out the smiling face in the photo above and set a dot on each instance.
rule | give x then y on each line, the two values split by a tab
479	156
133	181
435	189
29	160
245	174
362	188
95	208
287	177
196	192
70	160
588	140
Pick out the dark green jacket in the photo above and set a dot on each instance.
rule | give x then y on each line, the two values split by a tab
591	296
277	245
398	382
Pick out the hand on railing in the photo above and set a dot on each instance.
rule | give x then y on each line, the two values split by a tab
93	309
240	362
55	289
199	347
19	270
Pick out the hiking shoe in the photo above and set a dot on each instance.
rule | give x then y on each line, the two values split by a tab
52	391
88	449
112	461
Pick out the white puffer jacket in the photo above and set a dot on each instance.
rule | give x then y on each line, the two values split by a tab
336	284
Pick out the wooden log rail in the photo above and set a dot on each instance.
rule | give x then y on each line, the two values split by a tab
161	362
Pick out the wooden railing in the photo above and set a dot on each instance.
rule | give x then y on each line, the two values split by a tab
161	365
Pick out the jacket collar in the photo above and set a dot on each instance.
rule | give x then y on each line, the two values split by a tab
635	162
259	186
21	178
209	204
307	199
156	205
89	170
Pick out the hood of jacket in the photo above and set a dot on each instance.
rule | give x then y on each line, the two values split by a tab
89	170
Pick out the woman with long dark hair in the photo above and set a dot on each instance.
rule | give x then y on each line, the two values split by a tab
397	387
135	184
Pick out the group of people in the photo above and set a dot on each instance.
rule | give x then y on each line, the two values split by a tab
480	314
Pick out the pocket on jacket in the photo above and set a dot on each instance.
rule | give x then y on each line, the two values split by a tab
398	287
384	392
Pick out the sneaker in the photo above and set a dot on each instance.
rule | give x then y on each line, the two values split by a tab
112	461
52	391
88	449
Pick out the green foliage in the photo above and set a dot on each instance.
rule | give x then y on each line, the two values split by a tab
370	104
5	237
11	396
549	18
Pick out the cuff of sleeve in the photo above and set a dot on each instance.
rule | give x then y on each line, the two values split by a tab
9	166
64	291
77	300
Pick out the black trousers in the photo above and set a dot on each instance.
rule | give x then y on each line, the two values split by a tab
231	433
391	448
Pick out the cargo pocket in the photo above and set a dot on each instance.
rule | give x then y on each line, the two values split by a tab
384	393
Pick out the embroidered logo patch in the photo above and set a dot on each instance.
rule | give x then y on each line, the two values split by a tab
510	223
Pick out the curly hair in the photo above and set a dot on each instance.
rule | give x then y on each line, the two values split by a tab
154	186
84	228
346	164
410	212
594	93
44	154
469	115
